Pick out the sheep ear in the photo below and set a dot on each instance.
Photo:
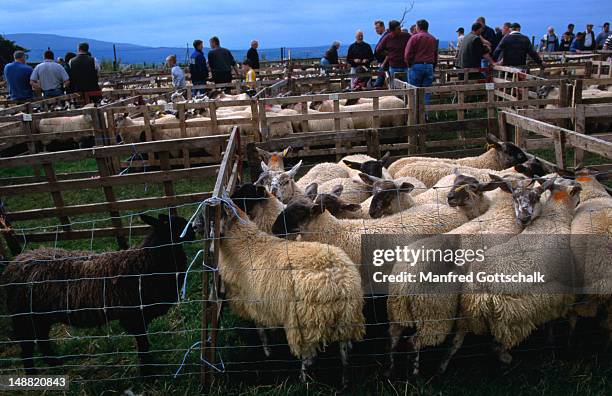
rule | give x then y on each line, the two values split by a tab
367	179
487	186
262	177
406	187
264	167
501	183
286	151
311	191
263	153
575	190
492	139
456	172
150	220
546	184
294	170
337	190
386	159
352	164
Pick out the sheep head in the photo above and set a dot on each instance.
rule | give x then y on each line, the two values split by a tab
466	190
386	198
372	167
508	154
282	184
525	196
167	230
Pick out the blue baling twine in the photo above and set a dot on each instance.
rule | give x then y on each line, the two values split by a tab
225	200
131	159
184	288
214	366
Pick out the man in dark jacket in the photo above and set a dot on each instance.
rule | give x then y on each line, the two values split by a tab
379	27
197	66
488	34
359	55
514	49
221	62
590	44
473	50
253	56
83	74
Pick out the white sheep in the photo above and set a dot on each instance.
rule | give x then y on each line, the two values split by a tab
316	295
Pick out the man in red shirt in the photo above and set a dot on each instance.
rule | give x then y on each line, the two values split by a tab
421	56
394	45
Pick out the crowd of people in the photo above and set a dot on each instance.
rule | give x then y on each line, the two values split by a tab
407	54
75	72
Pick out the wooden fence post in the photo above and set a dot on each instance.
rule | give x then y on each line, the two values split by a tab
579	126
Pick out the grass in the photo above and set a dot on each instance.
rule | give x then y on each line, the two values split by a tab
106	363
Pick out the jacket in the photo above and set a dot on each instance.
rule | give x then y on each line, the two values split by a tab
514	49
83	74
198	67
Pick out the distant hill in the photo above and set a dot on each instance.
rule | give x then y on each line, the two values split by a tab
131	53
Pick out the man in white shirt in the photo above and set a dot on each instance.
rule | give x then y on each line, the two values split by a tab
178	76
49	77
460	36
589	38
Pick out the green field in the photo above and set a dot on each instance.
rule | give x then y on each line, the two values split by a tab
103	360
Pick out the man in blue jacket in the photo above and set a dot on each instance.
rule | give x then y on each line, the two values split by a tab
17	75
197	66
578	43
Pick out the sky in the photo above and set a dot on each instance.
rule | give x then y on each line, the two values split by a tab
278	23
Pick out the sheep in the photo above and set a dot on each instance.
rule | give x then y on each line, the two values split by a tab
314	223
49	285
593	218
512	317
316	295
65	124
357	163
431	316
365	122
275	159
388	197
353	190
431	172
499	156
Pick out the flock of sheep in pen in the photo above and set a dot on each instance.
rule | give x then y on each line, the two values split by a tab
312	287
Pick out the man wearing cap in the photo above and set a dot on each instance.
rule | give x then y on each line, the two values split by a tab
460	36
601	37
589	38
514	49
49	77
17	76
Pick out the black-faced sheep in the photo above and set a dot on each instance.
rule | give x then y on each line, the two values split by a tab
49	285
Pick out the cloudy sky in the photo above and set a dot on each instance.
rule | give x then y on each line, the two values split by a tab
276	22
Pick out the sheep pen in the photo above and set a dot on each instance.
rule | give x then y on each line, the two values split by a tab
251	331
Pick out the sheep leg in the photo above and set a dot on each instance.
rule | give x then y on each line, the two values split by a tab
457	342
27	355
502	354
42	334
306	364
139	331
263	336
417	355
344	348
550	333
571	328
23	330
395	332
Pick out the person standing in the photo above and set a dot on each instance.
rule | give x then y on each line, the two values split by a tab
601	37
473	51
487	34
515	47
359	55
198	67
330	58
83	74
550	41
608	43
578	43
570	30
566	42
17	76
421	56
49	77
381	57
589	38
178	76
460	35
221	62
253	56
250	77
395	45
